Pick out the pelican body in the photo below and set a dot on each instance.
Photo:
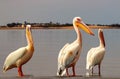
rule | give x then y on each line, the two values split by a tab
20	56
70	53
96	55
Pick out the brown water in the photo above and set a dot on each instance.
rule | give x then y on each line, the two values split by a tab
43	64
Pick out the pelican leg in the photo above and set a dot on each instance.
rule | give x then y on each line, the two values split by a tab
20	73
67	71
99	72
73	69
92	71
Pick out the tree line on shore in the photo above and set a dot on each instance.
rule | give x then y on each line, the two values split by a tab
51	24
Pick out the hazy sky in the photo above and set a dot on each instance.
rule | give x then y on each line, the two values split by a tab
63	11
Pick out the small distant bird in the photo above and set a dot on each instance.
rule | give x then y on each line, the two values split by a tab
70	53
21	55
96	55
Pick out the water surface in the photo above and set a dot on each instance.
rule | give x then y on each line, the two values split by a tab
47	46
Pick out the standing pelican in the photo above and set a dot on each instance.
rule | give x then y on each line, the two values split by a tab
21	55
70	53
95	55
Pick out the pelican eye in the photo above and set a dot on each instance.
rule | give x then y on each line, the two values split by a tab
78	19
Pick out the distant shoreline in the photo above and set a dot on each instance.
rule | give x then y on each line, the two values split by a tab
59	27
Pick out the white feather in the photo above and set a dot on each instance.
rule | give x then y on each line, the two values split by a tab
13	57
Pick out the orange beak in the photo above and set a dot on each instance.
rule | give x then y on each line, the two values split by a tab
84	27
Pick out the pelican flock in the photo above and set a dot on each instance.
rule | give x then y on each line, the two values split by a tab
20	56
70	53
96	55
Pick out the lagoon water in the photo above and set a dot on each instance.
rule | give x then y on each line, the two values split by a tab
47	46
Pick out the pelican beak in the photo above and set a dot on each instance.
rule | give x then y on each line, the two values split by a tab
84	27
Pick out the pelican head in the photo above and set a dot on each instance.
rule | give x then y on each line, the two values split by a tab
101	36
61	71
28	34
100	31
28	28
77	21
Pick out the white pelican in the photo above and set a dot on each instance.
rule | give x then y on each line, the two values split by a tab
21	55
95	55
70	53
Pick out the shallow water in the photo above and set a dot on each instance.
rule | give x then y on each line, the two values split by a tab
47	46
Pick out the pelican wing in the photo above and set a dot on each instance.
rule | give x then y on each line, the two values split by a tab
60	57
95	56
71	54
62	52
13	57
67	56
